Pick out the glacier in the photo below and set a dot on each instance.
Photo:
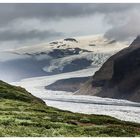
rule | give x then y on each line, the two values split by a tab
121	109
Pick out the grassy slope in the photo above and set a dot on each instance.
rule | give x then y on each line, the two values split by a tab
22	114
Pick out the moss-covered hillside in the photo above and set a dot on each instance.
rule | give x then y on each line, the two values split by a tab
22	114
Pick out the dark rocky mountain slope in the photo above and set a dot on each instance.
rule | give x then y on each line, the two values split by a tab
119	76
69	85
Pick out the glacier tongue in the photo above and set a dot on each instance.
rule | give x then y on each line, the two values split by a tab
127	113
121	109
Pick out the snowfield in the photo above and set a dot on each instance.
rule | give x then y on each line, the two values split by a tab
121	109
58	56
95	43
97	60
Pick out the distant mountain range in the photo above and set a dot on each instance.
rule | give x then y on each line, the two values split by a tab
59	56
119	76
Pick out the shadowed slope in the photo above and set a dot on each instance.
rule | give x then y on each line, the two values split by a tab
119	77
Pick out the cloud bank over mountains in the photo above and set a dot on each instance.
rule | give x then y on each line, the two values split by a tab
22	24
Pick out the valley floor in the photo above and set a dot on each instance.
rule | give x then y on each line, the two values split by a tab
121	109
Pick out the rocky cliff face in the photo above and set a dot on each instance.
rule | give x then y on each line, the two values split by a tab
119	77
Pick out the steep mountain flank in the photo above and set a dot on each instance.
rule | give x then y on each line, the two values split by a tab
119	76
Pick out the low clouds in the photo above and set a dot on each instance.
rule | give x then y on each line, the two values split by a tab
57	11
33	34
125	26
24	22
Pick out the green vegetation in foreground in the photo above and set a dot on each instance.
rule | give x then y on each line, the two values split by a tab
22	114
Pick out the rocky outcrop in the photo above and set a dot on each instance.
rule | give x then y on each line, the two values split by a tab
119	77
69	85
71	39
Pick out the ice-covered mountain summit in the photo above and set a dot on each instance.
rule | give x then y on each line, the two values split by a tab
96	43
59	56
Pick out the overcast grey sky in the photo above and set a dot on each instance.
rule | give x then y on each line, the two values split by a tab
28	24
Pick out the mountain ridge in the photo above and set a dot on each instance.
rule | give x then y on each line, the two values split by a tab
59	56
119	75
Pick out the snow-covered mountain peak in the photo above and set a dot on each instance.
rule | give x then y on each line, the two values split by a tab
96	43
60	56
